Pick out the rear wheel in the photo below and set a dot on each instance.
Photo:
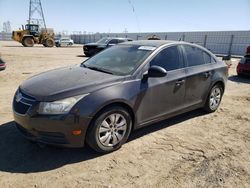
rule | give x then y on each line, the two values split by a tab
109	130
49	42
28	42
214	98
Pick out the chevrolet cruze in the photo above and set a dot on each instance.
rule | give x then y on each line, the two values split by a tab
125	87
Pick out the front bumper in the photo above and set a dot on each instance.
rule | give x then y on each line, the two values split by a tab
53	130
48	129
242	70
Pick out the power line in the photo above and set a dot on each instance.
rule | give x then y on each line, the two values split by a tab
136	17
6	27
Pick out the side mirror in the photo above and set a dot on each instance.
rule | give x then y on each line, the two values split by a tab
156	71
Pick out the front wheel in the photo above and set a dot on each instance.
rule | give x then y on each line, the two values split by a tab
109	130
214	98
28	42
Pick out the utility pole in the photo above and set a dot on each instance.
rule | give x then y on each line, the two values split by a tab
6	27
36	15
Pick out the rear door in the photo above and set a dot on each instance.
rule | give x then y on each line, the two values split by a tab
199	74
163	95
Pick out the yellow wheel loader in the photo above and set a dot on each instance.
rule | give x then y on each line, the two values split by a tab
31	35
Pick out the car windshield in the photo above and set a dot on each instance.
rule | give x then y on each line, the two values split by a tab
120	59
103	41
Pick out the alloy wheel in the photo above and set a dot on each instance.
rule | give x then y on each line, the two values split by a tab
112	130
215	98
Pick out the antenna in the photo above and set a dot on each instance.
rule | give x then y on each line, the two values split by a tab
36	15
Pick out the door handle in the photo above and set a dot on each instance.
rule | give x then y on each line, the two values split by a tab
207	74
179	82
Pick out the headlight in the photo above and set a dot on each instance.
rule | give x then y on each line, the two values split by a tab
59	107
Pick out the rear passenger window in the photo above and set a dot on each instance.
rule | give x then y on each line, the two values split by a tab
113	41
207	58
195	56
168	58
120	41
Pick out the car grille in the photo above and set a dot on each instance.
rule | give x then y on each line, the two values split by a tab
22	103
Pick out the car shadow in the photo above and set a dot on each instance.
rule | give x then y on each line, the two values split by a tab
240	79
13	46
165	123
19	155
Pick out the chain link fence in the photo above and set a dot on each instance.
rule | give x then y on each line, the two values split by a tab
221	42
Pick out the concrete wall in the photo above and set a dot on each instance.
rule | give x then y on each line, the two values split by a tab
219	42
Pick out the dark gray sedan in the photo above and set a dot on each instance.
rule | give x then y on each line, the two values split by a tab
121	89
91	49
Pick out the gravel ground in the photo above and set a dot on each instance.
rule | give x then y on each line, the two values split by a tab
192	150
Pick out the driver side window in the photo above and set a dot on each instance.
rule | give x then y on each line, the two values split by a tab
169	59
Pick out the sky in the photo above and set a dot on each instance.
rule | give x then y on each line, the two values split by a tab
133	15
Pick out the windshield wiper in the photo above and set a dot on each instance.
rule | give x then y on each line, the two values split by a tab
98	69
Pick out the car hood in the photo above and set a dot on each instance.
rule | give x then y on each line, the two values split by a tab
66	82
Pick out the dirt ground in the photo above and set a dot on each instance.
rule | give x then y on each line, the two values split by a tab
191	150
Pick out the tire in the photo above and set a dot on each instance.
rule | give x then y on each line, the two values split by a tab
45	45
214	98
109	130
49	42
240	75
28	42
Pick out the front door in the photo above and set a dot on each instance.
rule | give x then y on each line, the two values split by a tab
163	95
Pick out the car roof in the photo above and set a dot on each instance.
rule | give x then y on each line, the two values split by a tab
155	43
118	38
159	43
